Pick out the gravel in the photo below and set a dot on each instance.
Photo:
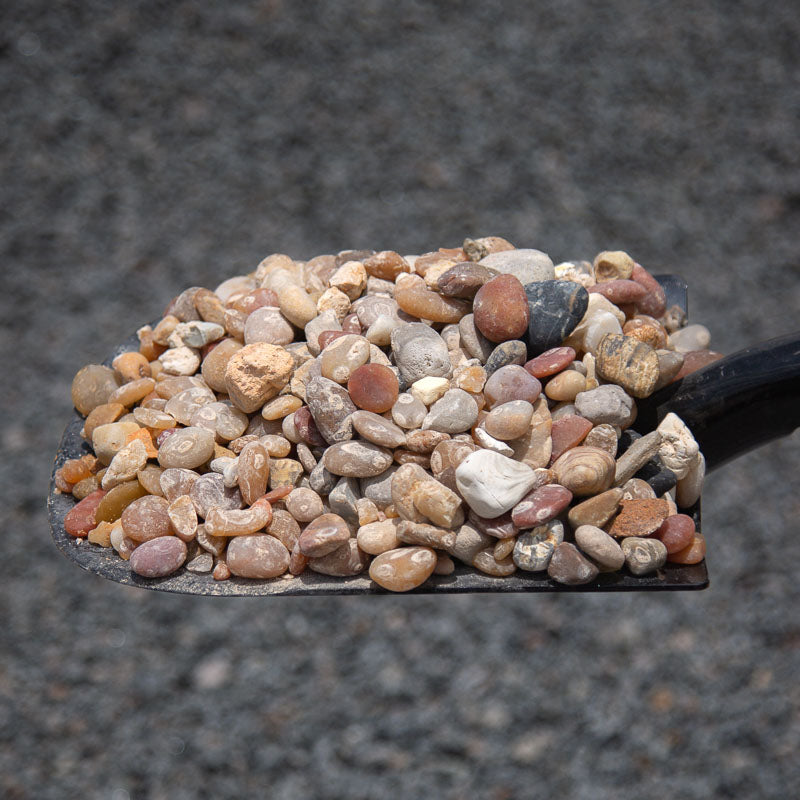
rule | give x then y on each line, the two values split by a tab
149	147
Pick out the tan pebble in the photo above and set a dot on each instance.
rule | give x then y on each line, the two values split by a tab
183	517
259	556
101	535
536	446
284	472
596	510
256	373
585	470
150	479
253	468
187	448
280	407
304	504
647	330
420	533
334	300
438	503
565	386
403	569
678	449
637	489
644	555
109	439
284	528
378	537
611	265
504	548
604	437
690	486
238	522
386	265
131	366
163	330
629	363
343	356
420	441
350	278
470	378
367	511
297	305
486	562
356	459
103	414
429	389
125	464
215	363
444	564
277	446
402	483
509	420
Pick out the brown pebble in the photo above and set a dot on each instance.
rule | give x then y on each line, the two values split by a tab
343	562
596	510
501	310
80	519
569	567
146	518
631	364
568	432
324	535
676	532
694	553
373	387
639	517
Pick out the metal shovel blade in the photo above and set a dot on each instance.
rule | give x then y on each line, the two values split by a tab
104	561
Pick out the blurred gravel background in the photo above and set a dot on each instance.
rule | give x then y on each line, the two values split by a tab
149	146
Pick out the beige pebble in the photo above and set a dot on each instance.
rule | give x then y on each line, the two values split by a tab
256	373
304	504
403	569
378	537
565	386
350	278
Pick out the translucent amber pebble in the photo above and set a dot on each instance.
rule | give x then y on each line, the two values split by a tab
92	386
76	469
284	527
386	265
281	406
414	297
150	479
146	518
342	357
373	387
676	532
148	346
253	471
108	440
150	418
102	415
693	554
403	569
131	366
132	392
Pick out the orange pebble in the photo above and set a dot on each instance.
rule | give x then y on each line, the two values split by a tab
147	440
693	554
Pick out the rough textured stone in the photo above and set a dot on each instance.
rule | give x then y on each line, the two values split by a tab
585	470
256	373
533	549
331	407
455	412
678	449
628	362
639	517
643	556
419	351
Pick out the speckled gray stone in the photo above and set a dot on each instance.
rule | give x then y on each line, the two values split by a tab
419	351
455	412
511	352
331	407
527	265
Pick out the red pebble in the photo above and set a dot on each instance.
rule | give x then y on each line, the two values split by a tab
373	387
501	309
326	337
696	359
693	554
550	362
676	532
541	505
568	432
350	324
164	435
655	302
620	291
80	520
307	427
277	494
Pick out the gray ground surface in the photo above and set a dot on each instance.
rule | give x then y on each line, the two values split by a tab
151	146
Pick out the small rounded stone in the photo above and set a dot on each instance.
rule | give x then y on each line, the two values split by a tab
550	362
325	534
268	325
343	356
600	547
644	555
585	470
304	504
408	411
373	387
569	567
356	459
187	448
463	280
146	518
694	553
378	429
378	537
565	386
676	532
158	558
403	569
511	383
258	556
509	420
92	386
501	309
414	297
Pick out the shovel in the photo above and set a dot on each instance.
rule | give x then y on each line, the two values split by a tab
731	406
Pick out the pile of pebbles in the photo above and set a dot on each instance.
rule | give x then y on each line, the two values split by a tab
376	412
